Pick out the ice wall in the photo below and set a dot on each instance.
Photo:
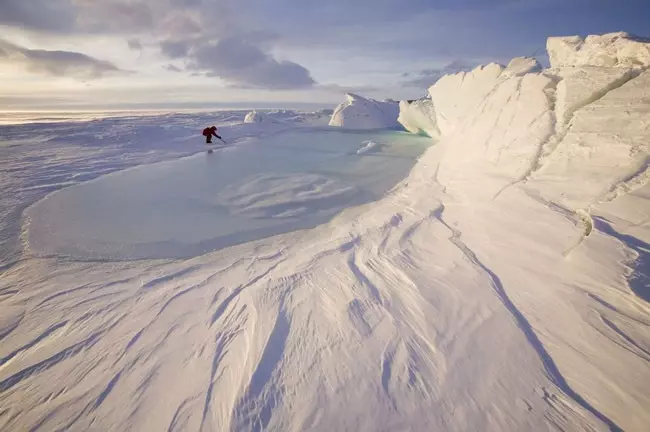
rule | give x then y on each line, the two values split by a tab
577	133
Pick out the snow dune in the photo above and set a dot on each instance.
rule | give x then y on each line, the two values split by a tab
501	286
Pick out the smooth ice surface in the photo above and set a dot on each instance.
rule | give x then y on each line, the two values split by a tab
262	187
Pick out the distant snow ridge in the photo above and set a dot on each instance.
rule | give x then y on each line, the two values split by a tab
362	113
259	117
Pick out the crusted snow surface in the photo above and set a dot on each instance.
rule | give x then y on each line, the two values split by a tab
610	50
490	290
358	112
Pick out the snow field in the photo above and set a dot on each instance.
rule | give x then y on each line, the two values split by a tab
501	286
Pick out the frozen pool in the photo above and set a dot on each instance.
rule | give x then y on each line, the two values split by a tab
190	206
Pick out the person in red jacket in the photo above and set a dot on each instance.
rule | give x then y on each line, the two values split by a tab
208	133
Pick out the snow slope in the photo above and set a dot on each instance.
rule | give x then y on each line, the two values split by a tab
362	113
537	168
502	286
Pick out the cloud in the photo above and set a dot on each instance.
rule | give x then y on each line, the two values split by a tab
218	38
134	44
428	77
45	15
335	88
172	68
175	49
244	62
56	63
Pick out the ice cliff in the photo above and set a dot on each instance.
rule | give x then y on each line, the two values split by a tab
577	133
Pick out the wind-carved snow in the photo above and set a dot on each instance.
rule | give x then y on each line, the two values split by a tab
437	307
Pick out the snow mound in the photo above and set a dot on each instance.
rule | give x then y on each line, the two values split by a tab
362	113
610	50
260	117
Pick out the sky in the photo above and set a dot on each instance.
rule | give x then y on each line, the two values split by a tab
111	54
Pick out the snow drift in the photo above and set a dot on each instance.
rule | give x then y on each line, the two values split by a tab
362	113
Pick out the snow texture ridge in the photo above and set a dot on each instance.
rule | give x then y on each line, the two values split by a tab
363	113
